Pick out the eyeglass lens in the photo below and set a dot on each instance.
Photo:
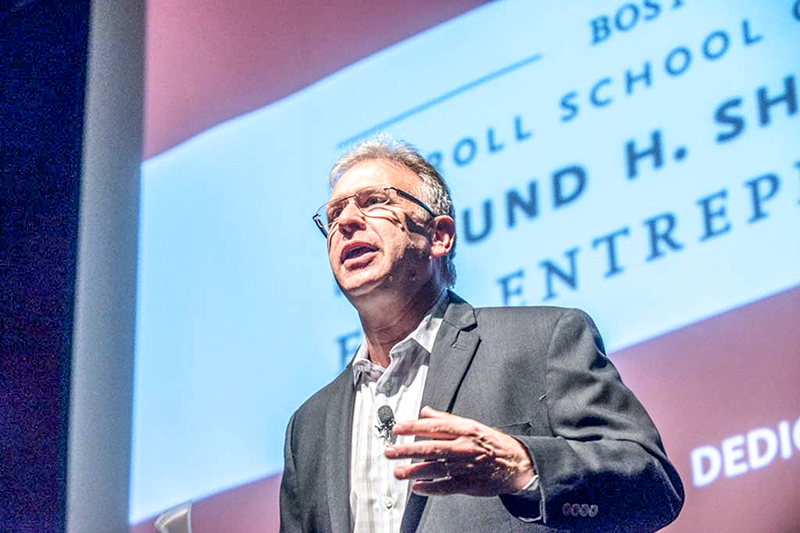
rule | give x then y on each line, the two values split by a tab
365	200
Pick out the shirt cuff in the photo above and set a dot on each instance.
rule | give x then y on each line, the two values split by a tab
530	493
531	487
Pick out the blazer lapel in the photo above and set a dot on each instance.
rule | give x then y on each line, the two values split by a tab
452	354
337	436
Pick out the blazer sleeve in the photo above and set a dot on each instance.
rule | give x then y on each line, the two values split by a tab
289	502
604	467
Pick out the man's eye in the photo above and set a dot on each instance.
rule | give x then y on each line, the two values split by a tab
334	211
373	200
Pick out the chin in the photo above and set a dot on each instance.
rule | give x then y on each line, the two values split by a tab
354	286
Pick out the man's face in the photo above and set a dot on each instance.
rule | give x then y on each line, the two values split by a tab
389	249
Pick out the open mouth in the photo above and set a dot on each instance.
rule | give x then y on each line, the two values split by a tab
355	251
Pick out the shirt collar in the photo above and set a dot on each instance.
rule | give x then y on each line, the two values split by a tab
424	336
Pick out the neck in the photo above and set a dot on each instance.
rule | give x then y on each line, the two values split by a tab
386	320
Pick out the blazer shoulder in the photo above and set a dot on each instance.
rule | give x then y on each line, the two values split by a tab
539	314
535	324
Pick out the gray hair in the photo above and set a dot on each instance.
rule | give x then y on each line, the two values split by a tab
435	191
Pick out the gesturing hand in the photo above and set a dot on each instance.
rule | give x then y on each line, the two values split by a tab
464	456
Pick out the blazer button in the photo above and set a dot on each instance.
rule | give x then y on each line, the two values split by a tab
577	509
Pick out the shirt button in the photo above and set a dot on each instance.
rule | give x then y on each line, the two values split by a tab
388	502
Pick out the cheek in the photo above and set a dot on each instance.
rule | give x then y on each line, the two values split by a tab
332	253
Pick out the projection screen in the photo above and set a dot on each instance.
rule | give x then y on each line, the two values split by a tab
639	160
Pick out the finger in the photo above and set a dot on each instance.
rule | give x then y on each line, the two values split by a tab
458	450
429	412
446	486
430	430
446	426
428	450
428	470
439	487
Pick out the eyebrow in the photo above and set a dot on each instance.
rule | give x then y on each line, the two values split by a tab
367	188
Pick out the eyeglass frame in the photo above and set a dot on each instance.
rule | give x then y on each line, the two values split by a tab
401	193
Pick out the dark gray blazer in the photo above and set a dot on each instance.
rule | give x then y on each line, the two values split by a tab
537	373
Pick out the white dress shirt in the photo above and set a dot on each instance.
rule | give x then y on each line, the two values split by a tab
377	498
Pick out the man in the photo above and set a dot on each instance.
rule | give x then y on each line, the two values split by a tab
508	419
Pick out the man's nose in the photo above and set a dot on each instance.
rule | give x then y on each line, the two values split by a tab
351	217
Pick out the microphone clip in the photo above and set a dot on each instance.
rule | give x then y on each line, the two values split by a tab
386	417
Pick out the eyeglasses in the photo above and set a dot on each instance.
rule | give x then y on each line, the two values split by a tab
367	199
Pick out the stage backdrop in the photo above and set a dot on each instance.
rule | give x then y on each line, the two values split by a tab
640	160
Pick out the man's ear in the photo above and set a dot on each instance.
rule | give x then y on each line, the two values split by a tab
443	236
